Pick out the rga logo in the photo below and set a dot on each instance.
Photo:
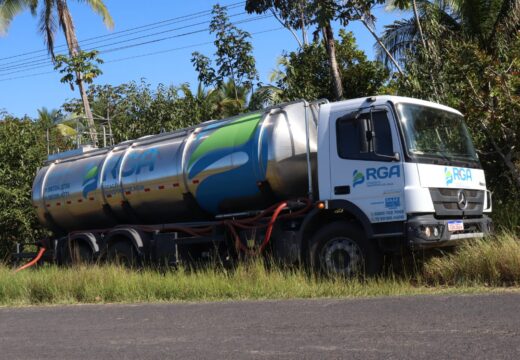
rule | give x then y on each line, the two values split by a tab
374	174
452	175
357	178
90	181
135	164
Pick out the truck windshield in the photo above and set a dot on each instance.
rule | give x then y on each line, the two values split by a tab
436	134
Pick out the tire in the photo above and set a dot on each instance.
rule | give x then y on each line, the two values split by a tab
123	253
342	249
76	252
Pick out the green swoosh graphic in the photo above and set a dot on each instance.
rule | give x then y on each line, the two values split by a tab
235	133
91	173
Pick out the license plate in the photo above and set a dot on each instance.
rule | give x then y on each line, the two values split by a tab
457	225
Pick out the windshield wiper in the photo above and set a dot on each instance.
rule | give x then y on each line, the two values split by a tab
433	152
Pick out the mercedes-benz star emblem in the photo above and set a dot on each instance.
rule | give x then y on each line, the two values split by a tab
462	201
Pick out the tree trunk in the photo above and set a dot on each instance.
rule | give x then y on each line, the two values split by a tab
328	37
72	43
303	24
287	26
418	23
428	52
380	43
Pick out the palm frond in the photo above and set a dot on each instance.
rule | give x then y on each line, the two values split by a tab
265	96
100	8
402	36
399	37
48	25
9	9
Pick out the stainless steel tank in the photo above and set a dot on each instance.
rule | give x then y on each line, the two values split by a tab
242	163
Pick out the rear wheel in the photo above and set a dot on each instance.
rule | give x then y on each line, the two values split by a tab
81	253
342	249
122	252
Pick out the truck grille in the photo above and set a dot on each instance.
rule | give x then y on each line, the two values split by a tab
445	202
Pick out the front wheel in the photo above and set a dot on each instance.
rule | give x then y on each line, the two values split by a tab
342	249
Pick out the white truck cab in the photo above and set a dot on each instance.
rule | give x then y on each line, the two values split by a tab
408	165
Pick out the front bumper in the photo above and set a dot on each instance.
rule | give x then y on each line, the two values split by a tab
426	232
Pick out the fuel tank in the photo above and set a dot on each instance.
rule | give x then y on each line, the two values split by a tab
242	163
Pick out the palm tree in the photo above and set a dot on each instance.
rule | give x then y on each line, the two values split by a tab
205	100
477	20
53	12
232	98
265	96
57	127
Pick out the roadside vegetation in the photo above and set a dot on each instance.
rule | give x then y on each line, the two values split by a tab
487	265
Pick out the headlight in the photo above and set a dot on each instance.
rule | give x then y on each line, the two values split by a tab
430	232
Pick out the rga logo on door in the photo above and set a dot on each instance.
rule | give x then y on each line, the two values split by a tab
376	176
457	175
357	178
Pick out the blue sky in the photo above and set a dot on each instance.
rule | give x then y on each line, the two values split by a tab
23	92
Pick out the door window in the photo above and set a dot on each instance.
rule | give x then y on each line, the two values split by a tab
365	136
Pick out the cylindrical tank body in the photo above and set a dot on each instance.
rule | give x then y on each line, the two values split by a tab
242	163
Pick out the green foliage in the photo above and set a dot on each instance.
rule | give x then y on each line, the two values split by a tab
22	151
233	56
80	67
316	12
306	73
135	109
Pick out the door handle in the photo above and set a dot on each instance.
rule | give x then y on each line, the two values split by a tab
342	190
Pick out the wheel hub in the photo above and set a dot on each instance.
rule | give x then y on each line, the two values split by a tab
341	256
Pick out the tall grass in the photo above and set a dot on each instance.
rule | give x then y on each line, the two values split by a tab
477	266
494	261
109	284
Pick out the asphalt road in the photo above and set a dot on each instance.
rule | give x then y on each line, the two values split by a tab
439	327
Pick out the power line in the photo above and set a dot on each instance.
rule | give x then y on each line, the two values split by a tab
40	63
138	56
164	22
183	47
8	66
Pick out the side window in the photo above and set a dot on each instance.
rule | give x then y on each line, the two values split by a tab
350	133
364	136
383	134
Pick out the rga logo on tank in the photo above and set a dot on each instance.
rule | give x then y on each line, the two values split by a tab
375	176
456	175
135	163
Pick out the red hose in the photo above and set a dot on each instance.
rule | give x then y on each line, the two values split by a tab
270	227
238	244
33	261
248	223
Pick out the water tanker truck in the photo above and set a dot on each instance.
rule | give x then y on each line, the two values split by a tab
331	185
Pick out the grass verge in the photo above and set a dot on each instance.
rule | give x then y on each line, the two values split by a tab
494	261
486	265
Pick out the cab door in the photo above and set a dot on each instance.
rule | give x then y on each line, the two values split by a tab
366	162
